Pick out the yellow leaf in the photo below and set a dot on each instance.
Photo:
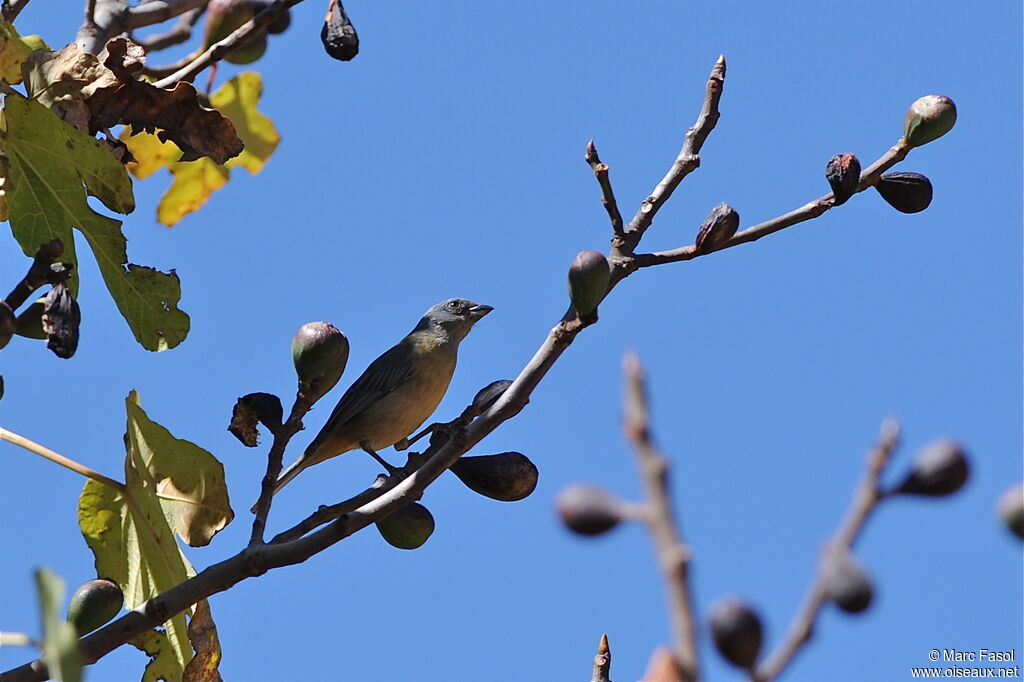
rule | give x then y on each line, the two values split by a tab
194	182
150	153
237	99
13	51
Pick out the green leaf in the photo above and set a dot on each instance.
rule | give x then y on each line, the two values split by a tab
60	640
53	167
172	486
13	51
163	662
195	181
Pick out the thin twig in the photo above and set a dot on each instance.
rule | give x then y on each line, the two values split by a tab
39	273
865	500
607	195
57	458
220	49
602	662
179	33
686	161
673	554
275	457
806	212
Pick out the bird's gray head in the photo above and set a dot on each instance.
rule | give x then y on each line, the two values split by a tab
454	317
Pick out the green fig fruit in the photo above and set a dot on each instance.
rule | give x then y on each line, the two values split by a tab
508	476
906	192
718	228
94	604
407	527
737	632
589	275
940	469
320	353
224	17
29	322
843	174
1011	509
587	509
927	119
846	583
8	324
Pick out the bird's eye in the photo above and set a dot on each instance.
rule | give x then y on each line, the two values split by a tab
454	305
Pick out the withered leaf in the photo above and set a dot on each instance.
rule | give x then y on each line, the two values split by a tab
61	317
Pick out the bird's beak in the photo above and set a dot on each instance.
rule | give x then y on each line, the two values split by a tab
479	310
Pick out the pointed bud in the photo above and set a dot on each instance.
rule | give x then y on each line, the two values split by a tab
319	352
718	228
407	527
1011	509
929	118
508	477
589	275
843	174
737	632
94	604
846	583
8	324
588	510
940	468
906	192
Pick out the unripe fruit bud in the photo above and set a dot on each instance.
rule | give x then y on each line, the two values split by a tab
508	477
846	583
843	174
737	632
940	468
7	323
929	118
407	527
94	604
906	192
588	510
320	353
1011	509
589	275
718	228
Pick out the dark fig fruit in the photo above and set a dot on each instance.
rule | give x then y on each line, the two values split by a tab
940	469
737	632
8	324
1011	509
588	510
843	174
718	228
29	322
846	583
94	604
906	192
508	476
338	34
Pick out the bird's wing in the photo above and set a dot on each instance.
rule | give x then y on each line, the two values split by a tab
384	375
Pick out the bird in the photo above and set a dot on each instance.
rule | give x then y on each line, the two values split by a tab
397	392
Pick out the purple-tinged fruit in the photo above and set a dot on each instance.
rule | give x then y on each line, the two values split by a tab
906	192
320	353
843	174
588	510
718	228
940	469
737	632
929	118
508	476
589	275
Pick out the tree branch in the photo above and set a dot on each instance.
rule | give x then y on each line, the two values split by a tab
865	500
220	49
607	195
602	662
687	160
806	212
39	273
673	554
11	10
110	18
179	33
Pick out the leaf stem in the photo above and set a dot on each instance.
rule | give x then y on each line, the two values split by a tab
57	458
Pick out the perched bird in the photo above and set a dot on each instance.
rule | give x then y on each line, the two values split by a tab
398	391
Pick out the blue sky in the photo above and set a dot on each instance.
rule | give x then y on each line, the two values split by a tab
447	160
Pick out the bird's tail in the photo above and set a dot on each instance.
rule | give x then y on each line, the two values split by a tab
287	475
